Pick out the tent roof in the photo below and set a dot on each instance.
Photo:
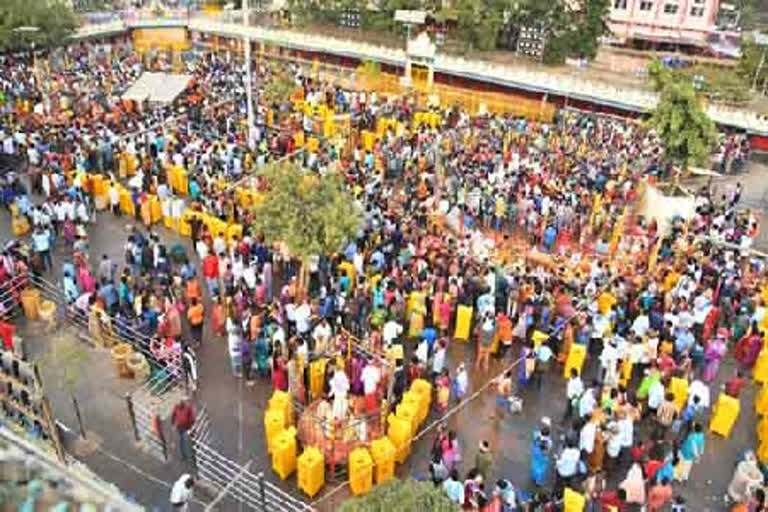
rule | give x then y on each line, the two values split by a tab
157	87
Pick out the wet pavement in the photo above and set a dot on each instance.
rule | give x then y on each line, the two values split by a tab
236	411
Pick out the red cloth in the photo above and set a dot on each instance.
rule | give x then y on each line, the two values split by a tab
183	416
6	333
211	266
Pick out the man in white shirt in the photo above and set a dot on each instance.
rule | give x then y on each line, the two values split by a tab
573	391
655	396
370	377
302	316
181	492
321	334
568	462
391	331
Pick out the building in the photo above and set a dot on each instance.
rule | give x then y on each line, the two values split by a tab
680	22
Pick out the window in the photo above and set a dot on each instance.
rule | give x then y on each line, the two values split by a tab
620	4
646	5
697	11
670	8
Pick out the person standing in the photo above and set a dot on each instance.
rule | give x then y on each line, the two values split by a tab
573	391
183	417
195	316
181	492
41	241
483	459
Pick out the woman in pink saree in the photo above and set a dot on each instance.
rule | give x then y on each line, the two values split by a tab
713	354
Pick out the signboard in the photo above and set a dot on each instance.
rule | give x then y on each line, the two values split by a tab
413	17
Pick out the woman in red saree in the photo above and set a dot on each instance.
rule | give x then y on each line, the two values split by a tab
748	347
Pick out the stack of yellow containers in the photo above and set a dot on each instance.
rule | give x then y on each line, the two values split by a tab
423	390
281	401
360	471
317	377
284	453
724	415
311	471
399	432
463	322
274	423
408	410
383	453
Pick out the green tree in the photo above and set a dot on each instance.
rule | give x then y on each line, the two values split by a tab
401	495
310	214
53	20
753	66
686	132
278	88
591	26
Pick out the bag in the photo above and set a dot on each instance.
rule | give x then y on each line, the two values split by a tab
515	404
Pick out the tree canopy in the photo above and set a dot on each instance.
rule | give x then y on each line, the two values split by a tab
310	214
53	20
479	23
402	495
685	129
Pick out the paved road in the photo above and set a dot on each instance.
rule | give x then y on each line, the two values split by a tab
237	411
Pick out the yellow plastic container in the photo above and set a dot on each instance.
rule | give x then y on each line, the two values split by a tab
423	390
463	322
762	452
126	202
761	402
19	225
383	454
724	415
281	401
317	377
274	423
30	302
573	501
369	138
409	412
762	429
679	388
311	471
399	432
575	359
360	471
155	209
298	139
234	231
284	453
760	371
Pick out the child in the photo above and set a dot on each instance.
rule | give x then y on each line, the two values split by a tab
460	382
443	383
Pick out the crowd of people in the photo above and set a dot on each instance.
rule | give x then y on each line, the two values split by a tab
531	224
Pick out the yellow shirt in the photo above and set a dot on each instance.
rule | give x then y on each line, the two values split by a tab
605	302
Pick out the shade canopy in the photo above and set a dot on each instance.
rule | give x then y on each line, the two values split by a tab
157	87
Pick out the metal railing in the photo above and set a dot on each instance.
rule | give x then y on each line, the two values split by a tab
229	479
117	330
